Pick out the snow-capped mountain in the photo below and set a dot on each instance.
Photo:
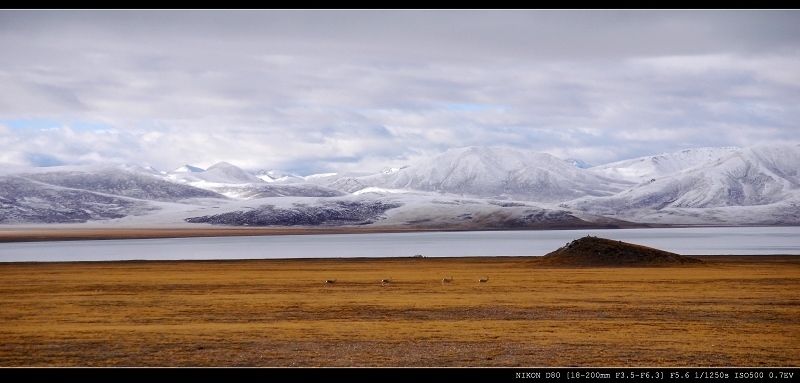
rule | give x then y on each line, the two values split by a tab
249	192
233	182
765	176
492	173
219	173
278	176
87	193
646	168
467	188
187	169
577	163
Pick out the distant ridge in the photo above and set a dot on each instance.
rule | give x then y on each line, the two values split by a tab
188	169
657	166
476	188
601	252
492	172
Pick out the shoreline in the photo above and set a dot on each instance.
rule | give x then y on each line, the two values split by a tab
9	234
711	258
61	233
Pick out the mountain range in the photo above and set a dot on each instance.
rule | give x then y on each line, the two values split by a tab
465	188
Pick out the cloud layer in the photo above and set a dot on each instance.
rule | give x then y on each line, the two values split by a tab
318	91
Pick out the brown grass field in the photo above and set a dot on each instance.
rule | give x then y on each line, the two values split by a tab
740	311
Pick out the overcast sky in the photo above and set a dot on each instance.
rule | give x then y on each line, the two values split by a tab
320	91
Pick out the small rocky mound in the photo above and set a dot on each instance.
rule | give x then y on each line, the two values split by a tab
602	252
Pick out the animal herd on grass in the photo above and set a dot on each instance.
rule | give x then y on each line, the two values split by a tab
388	281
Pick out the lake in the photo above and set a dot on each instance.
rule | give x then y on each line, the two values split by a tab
686	241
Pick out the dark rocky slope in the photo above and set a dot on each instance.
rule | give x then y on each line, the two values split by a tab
601	252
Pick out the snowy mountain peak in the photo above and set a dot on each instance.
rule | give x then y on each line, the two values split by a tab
390	170
650	167
758	184
578	163
137	168
492	172
188	169
223	172
278	176
222	165
755	185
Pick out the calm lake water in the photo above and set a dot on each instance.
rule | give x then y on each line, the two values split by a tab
687	241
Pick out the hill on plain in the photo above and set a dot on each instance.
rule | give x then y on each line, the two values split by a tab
601	252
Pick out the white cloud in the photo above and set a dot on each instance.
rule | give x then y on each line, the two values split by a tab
317	91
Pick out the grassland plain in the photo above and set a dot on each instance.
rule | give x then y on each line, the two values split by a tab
729	311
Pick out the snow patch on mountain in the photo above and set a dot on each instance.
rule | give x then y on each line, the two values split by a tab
767	177
474	187
279	176
219	174
376	190
577	163
82	193
251	191
491	173
650	167
187	169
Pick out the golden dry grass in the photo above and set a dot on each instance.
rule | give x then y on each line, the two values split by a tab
731	311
